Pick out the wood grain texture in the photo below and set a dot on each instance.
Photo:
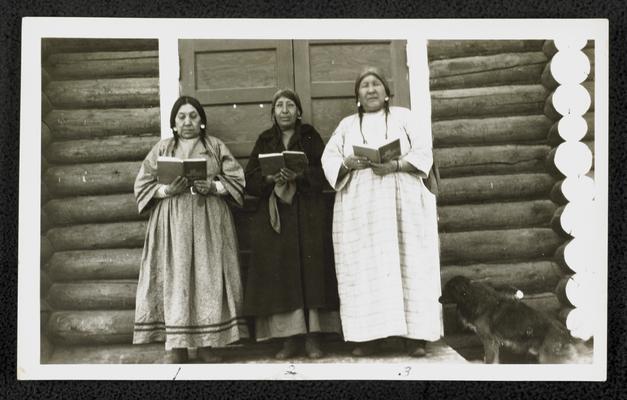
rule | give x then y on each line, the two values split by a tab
520	214
532	276
114	148
494	188
439	49
236	69
85	124
95	264
98	236
105	93
91	327
498	245
93	295
488	101
90	209
336	62
493	70
483	131
92	179
116	64
490	160
69	45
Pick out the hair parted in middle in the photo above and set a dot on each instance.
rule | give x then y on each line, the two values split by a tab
192	102
289	94
377	73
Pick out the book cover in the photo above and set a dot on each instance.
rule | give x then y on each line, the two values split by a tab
271	163
380	154
168	168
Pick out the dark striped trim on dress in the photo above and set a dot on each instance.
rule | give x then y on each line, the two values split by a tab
168	331
161	324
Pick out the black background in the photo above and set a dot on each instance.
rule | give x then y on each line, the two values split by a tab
10	43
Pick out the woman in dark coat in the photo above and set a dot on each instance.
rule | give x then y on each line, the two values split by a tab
291	287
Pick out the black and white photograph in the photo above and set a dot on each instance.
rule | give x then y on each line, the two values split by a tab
313	199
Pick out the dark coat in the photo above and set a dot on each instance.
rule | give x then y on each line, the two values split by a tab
293	269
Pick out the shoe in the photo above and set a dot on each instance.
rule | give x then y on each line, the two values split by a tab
208	356
289	349
312	346
366	349
417	348
177	355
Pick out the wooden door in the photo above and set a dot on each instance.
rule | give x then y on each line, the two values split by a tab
234	80
325	73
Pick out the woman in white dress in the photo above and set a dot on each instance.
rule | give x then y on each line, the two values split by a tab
385	232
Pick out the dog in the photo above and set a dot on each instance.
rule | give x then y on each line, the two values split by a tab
502	320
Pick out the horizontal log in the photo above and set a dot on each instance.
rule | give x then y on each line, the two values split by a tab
439	49
92	179
91	327
560	258
46	136
123	92
589	85
153	353
44	222
522	214
45	78
549	48
98	236
44	283
103	65
491	160
95	264
90	209
556	224
492	70
554	115
70	45
93	295
498	245
85	124
560	292
589	52
544	302
520	129
115	148
529	277
46	105
46	249
488	101
547	78
494	188
554	138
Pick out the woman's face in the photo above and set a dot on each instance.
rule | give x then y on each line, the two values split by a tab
371	93
285	113
188	122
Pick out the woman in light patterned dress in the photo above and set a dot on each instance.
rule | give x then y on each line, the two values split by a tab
189	292
385	234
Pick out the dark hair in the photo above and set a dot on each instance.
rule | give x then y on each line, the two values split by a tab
192	102
287	93
386	104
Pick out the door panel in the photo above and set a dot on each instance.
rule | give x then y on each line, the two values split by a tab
234	80
325	73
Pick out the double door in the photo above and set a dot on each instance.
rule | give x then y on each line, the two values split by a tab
235	79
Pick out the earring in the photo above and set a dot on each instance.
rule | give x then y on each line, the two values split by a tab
202	126
358	104
174	130
387	98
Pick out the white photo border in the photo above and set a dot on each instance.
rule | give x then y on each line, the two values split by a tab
168	31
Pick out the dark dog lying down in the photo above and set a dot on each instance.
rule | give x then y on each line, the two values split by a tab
502	320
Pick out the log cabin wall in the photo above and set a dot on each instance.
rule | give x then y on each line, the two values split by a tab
101	117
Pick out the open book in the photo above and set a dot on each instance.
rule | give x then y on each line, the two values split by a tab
380	154
168	168
271	163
